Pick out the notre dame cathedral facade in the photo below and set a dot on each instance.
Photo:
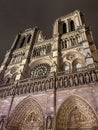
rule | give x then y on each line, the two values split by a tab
51	84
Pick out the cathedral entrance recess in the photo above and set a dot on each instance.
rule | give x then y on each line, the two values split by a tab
76	114
27	115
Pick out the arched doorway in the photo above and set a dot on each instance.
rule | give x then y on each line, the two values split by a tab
76	114
27	115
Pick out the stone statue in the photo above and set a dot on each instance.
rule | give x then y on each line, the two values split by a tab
32	122
76	80
65	82
49	122
60	83
47	84
81	79
70	81
93	76
87	78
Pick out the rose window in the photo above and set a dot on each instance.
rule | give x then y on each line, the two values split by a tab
41	70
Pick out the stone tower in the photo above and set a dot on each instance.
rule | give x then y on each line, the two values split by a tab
51	84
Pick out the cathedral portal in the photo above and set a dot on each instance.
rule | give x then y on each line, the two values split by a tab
27	115
76	114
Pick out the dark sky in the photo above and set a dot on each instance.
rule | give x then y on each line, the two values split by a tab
17	15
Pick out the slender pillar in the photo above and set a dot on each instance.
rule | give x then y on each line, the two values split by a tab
54	121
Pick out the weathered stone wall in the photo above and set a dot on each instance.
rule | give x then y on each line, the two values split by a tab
46	99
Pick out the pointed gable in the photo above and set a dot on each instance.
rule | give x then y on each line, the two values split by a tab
40	37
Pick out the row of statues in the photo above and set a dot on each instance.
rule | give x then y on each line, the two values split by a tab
46	84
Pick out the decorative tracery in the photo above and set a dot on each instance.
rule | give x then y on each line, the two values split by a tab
41	70
10	75
27	115
16	58
41	50
32	122
76	114
70	41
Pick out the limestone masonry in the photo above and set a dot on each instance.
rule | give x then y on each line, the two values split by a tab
51	84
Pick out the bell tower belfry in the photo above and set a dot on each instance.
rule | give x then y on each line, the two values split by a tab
68	23
75	42
17	58
70	49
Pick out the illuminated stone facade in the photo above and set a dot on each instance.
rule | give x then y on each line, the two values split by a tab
51	84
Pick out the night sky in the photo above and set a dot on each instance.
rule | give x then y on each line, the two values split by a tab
18	15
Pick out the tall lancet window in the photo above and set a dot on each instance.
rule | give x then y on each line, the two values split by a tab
64	28
72	25
22	42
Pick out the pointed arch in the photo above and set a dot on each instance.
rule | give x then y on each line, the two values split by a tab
28	112
22	42
64	28
72	25
76	113
78	64
17	42
29	38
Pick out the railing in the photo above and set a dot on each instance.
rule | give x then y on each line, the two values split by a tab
63	81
